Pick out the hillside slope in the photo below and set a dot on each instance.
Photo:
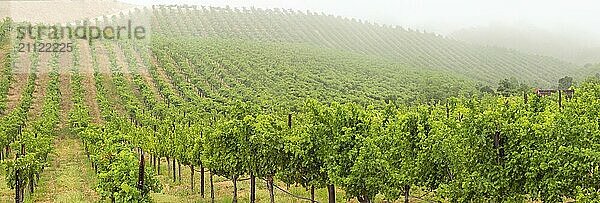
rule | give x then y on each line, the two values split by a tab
284	74
412	48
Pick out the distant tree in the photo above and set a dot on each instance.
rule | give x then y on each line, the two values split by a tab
486	90
511	86
565	83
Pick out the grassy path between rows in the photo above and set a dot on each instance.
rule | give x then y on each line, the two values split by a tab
69	177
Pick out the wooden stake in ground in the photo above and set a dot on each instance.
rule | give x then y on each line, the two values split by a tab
234	180
331	192
312	194
17	185
212	188
141	173
270	187
202	175
31	181
202	180
560	99
192	176
252	188
174	166
406	193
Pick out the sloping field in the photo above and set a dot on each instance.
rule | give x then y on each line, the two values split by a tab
406	46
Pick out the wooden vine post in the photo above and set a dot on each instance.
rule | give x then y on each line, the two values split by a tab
31	181
235	196
174	172
312	194
252	188
156	162
212	188
560	99
192	176
331	193
17	185
270	188
191	164
141	173
287	185
406	193
202	176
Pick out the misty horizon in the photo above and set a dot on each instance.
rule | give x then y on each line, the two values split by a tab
573	18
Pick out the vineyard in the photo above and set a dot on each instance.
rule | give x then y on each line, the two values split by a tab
236	105
409	47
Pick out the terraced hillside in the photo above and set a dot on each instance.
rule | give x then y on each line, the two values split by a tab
409	47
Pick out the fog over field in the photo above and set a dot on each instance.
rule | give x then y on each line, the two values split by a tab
440	16
567	30
538	26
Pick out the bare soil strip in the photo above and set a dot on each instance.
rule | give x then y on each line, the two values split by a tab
144	72
41	83
88	82
19	81
111	91
162	74
66	103
122	63
124	67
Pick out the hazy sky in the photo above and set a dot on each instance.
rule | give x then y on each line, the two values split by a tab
441	16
